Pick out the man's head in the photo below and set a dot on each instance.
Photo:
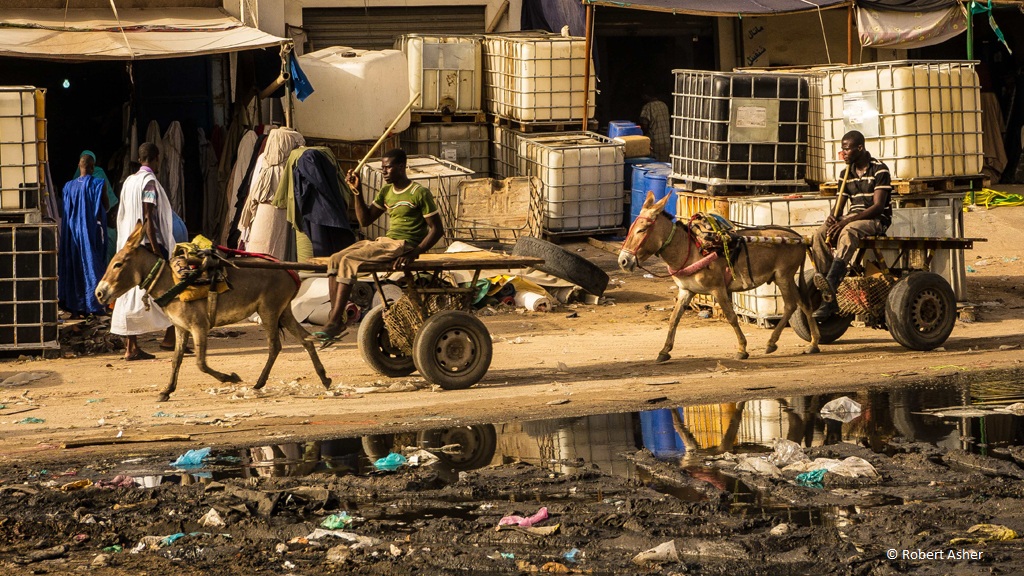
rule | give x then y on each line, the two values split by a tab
149	154
393	166
86	164
853	151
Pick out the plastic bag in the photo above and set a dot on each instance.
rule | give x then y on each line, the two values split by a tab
758	466
191	459
855	467
842	409
786	453
391	462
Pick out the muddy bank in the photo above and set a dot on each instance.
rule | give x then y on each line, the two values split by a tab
923	480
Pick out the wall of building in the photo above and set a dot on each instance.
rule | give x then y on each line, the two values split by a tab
121	4
275	16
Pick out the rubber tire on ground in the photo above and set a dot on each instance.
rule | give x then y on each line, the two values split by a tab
563	264
829	329
376	348
452	333
478	442
921	311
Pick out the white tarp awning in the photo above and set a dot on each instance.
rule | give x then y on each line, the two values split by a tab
139	33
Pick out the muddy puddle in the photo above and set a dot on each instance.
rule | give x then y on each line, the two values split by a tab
923	479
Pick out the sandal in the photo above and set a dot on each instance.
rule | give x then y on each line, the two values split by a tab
140	354
324	338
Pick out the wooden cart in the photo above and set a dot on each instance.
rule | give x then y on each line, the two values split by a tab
432	328
915	305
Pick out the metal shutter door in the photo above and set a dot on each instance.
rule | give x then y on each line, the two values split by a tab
377	28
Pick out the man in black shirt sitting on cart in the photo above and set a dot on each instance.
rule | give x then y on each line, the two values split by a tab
867	189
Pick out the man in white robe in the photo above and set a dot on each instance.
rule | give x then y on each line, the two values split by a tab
143	199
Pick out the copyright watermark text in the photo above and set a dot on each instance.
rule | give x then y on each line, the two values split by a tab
934	555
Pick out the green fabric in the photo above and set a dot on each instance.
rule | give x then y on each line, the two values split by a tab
284	198
407	211
303	247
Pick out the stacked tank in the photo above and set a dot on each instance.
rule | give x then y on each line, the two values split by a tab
28	247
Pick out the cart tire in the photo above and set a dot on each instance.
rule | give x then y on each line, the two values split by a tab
452	349
478	444
829	329
377	350
921	311
563	264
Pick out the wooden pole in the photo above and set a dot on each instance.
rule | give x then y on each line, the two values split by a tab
269	265
497	17
586	64
970	32
849	35
385	134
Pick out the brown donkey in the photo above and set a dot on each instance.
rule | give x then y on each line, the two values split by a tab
654	233
268	293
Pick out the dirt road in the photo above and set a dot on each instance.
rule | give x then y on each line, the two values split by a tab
598	360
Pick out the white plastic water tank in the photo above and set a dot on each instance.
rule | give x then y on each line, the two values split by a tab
922	118
538	77
446	70
357	93
19	165
582	177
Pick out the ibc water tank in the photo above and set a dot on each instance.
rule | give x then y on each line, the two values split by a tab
357	93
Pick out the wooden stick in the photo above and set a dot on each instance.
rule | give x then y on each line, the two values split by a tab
385	135
497	17
267	264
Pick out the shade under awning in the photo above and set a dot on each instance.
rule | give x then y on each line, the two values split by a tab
141	33
724	7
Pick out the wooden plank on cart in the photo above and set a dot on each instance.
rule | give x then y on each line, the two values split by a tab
884	242
449	261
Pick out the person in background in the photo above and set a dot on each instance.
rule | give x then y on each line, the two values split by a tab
83	241
143	199
414	227
868	191
655	121
110	218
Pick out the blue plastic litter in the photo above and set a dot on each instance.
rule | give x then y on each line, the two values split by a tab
168	540
191	459
570	556
508	555
812	479
390	462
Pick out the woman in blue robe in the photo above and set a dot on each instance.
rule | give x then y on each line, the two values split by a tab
82	259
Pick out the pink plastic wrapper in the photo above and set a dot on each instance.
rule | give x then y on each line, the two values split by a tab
526	522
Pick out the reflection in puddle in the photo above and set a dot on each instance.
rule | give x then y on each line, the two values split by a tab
686	434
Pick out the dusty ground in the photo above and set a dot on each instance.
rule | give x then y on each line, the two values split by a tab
599	361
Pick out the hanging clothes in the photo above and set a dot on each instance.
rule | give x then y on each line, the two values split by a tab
83	245
243	157
265	226
172	167
132	314
311	194
152	135
242	189
213	201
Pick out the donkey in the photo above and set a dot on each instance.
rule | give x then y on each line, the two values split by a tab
266	292
654	233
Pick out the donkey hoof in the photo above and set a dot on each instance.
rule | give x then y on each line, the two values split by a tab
742	355
663	357
771	348
812	350
233	378
163	397
327	383
259	385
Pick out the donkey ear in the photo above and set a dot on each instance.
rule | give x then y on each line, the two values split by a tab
649	201
660	205
135	238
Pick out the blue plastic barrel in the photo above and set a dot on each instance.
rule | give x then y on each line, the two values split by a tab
618	128
651	177
659	436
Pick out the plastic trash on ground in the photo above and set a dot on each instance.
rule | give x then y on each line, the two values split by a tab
757	466
355	540
191	459
842	409
335	521
539	516
786	452
664	552
391	462
811	479
212	518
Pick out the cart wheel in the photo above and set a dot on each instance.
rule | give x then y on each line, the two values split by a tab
376	347
829	329
477	445
920	311
452	349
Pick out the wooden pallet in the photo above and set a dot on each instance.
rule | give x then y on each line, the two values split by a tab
21	217
922	185
739	189
457	117
530	126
